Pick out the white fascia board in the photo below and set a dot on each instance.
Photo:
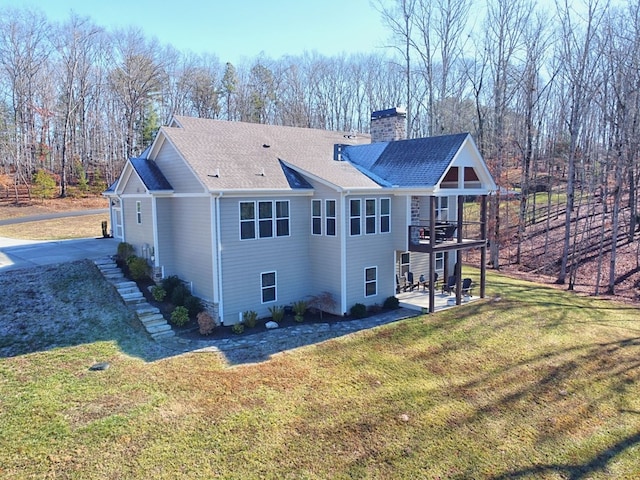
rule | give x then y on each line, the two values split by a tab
264	193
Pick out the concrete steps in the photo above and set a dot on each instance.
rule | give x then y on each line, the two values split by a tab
150	317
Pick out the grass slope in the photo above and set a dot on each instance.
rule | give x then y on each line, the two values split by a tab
535	383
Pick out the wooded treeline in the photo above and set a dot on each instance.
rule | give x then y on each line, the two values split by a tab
549	93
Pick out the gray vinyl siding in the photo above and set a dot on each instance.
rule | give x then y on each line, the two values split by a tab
137	234
364	251
243	261
185	243
176	171
325	259
134	185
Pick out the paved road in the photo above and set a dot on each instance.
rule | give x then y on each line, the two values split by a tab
52	216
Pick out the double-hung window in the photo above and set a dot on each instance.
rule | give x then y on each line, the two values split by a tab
139	212
330	214
385	215
282	218
354	216
316	217
265	219
370	281
247	220
370	215
268	286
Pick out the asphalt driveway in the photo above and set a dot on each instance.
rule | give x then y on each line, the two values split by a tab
15	254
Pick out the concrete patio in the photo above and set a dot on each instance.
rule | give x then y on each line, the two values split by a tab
418	299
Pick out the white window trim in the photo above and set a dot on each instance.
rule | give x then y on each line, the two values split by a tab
274	286
277	218
313	217
381	215
139	212
359	217
255	217
368	217
367	282
333	217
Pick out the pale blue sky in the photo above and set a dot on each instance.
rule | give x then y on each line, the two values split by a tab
235	29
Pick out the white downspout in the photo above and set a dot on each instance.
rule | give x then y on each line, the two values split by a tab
217	254
343	254
156	254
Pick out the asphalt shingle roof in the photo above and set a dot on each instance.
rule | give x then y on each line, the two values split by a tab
150	175
249	155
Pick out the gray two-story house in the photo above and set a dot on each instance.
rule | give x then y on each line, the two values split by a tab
254	216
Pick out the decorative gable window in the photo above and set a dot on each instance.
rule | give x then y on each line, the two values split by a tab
354	216
370	281
316	217
272	219
268	286
139	212
330	213
370	216
385	215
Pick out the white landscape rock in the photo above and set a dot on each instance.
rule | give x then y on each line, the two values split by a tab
271	325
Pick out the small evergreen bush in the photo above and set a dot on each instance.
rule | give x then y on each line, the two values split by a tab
358	311
170	283
138	267
125	250
193	304
179	294
158	293
391	303
180	316
237	328
249	318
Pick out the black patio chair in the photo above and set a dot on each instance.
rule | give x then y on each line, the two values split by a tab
450	286
467	286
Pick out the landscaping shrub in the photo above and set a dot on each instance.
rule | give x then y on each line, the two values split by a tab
299	308
180	316
358	311
237	328
323	302
391	303
249	318
158	293
179	294
193	304
206	323
138	267
277	313
170	283
125	250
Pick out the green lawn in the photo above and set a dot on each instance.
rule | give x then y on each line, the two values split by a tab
532	383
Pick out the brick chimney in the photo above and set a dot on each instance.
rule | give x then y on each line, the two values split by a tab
388	125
